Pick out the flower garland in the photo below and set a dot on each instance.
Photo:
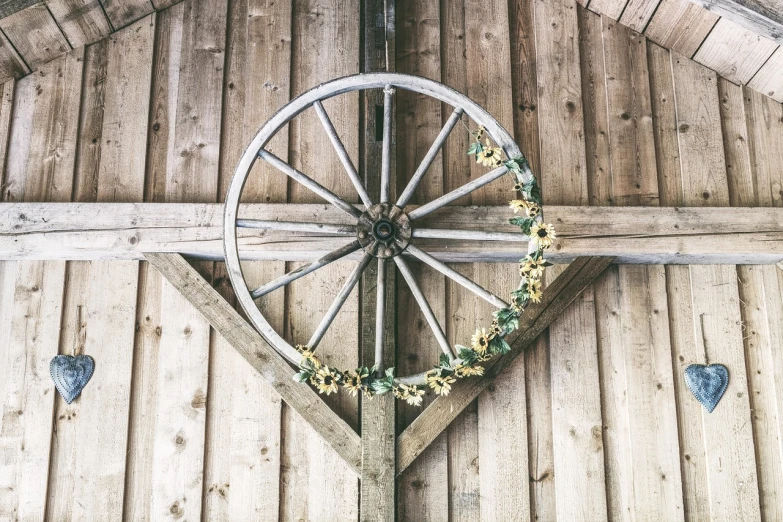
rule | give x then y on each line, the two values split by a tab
485	343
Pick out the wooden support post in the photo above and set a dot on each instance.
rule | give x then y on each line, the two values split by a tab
379	441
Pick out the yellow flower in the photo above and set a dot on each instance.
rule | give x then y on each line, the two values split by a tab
468	371
531	268
480	133
308	354
411	394
441	384
531	209
325	379
490	156
352	380
543	234
480	341
534	290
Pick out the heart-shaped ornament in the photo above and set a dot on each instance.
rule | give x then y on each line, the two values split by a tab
707	383
71	374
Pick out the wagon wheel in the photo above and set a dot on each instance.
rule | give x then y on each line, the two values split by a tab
383	230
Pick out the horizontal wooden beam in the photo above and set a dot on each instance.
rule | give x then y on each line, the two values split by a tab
536	318
272	367
681	235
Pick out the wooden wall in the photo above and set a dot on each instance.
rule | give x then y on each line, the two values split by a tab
595	423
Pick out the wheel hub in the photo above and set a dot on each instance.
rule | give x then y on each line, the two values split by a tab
384	230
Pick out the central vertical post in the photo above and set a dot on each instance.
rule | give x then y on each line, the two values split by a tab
378	419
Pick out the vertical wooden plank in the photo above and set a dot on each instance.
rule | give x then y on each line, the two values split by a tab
88	479
423	486
769	79
306	459
124	12
734	52
6	110
680	25
761	301
576	416
42	161
81	21
35	34
244	413
717	335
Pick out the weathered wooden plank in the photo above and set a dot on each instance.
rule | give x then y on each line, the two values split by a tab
11	64
734	52
378	293
108	317
715	335
260	355
680	25
34	288
759	288
639	426
763	17
443	410
245	412
122	13
6	113
637	14
35	34
307	459
81	21
423	489
769	79
611	8
576	415
632	235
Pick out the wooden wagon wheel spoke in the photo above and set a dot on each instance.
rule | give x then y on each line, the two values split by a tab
429	315
310	183
388	92
290	277
471	235
338	302
296	226
342	154
380	313
457	193
429	157
455	276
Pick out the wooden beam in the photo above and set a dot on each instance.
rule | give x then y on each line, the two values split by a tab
671	235
443	410
378	416
763	17
261	356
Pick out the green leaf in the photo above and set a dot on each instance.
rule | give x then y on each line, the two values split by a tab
443	361
472	150
302	376
524	223
499	345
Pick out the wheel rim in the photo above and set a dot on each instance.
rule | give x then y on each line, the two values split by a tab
383	230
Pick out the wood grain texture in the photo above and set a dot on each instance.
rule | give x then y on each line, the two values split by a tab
714	336
34	291
680	25
422	489
81	21
760	16
734	52
11	64
35	34
637	14
122	13
769	79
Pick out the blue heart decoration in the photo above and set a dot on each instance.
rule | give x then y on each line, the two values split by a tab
71	374
707	383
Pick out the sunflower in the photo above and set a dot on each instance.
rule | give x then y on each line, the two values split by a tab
353	381
326	380
411	394
489	156
531	268
534	290
468	371
480	341
519	186
531	209
440	383
543	234
308	355
480	133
